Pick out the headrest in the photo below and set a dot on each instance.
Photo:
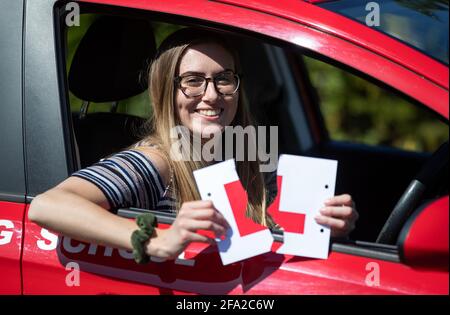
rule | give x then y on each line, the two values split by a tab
111	58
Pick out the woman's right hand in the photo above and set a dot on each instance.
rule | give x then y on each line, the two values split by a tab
193	216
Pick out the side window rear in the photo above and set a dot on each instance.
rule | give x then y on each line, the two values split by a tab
359	111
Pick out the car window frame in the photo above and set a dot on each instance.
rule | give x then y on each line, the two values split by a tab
371	250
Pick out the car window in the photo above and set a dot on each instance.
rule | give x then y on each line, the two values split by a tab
422	24
360	111
137	105
353	109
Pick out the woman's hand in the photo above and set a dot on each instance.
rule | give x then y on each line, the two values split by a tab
193	216
339	214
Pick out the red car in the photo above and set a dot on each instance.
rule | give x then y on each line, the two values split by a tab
70	96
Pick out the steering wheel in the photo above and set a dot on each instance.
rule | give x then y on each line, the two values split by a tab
427	179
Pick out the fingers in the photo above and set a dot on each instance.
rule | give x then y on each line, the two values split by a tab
189	237
194	225
210	215
331	222
198	204
202	210
340	200
337	212
336	225
199	215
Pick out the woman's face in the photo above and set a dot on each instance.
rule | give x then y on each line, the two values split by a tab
211	112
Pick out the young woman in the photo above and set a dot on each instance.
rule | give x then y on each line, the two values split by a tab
193	83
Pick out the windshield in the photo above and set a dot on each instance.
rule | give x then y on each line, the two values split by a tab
422	24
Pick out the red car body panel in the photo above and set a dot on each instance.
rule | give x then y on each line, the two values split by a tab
108	271
419	242
332	35
11	233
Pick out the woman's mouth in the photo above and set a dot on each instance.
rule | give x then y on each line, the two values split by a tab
209	113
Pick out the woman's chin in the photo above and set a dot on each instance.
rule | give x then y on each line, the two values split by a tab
208	132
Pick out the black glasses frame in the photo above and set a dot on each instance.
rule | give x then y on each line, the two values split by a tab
178	79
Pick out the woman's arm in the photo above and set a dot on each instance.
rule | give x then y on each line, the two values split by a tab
77	208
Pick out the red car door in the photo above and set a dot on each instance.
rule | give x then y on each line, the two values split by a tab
59	265
55	265
11	216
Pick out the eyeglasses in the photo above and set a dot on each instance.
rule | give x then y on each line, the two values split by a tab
193	85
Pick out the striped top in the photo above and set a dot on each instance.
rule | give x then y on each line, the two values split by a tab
129	179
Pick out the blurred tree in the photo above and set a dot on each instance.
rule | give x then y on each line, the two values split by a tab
359	111
426	7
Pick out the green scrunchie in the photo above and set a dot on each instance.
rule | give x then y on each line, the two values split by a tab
146	223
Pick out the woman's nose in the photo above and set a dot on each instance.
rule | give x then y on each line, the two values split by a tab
211	94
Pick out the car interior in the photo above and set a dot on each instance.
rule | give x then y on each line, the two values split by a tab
109	65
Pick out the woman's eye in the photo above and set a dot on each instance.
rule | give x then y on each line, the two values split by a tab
193	81
224	81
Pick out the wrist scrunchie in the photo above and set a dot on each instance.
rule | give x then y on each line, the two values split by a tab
146	223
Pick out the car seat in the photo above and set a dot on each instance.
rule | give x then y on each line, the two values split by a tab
107	67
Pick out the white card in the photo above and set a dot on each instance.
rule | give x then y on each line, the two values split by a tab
210	182
306	184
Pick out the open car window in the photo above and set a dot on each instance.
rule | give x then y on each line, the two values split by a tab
348	108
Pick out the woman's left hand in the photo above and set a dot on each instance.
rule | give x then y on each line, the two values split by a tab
339	214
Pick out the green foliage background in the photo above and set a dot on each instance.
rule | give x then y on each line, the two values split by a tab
357	110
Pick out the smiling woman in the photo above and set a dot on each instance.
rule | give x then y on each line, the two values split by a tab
200	64
193	83
194	51
39	139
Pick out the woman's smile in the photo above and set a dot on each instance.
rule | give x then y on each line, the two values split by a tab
209	114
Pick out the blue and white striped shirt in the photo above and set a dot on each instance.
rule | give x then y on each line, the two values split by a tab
129	179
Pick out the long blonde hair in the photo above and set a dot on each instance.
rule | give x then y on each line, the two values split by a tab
164	118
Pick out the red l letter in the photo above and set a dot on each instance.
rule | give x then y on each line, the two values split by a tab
238	200
291	222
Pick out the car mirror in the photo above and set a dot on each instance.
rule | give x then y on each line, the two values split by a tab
424	240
